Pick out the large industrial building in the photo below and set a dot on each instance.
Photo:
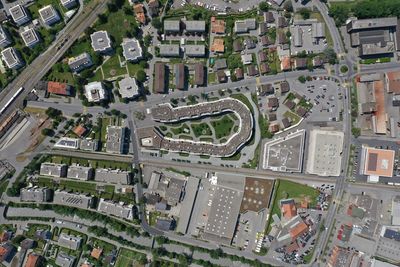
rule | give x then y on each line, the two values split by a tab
376	163
374	37
325	152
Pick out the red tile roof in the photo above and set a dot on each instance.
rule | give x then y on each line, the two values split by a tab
58	88
33	260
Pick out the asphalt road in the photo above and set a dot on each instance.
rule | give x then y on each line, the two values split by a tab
34	72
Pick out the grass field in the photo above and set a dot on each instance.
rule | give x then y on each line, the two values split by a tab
129	258
184	128
293	117
3	186
94	163
287	189
222	127
118	23
244	99
201	129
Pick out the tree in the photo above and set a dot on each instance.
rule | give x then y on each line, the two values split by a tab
356	132
288	6
330	55
102	18
141	76
128	11
47	132
305	13
263	6
339	13
216	253
147	40
156	22
53	113
302	79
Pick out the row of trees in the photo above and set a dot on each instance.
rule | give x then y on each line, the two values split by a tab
365	9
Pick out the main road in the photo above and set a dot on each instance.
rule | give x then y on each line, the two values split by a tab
34	72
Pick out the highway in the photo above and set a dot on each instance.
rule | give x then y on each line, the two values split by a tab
34	72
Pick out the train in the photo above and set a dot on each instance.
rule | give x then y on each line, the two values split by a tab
9	102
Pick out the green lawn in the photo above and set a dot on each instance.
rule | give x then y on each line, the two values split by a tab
129	258
293	117
211	77
91	162
107	247
201	129
34	227
112	67
183	129
3	186
287	189
118	23
245	100
222	127
79	186
234	157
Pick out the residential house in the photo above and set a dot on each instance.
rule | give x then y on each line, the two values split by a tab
12	58
113	176
172	26
95	92
237	46
80	130
218	45
217	26
35	194
244	26
80	172
58	88
153	7
262	28
159	78
30	37
49	15
101	42
221	76
195	50
195	26
131	49
68	4
220	64
262	56
282	22
239	73
19	15
53	169
80	62
139	12
264	68
169	50
252	70
115	141
268	17
179	75
286	63
5	38
128	88
199	74
266	41
300	63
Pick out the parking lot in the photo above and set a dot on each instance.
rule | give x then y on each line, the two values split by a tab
326	97
308	43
